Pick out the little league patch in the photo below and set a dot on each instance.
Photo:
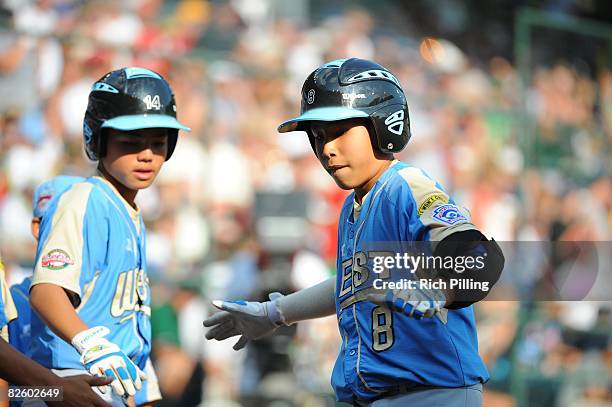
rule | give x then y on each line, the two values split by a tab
56	259
448	214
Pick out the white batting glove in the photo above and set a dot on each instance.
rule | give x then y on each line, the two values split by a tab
415	303
251	320
101	357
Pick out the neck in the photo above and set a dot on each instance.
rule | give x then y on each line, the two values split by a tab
361	191
128	194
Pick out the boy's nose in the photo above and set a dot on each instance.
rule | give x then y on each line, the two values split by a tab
146	154
329	149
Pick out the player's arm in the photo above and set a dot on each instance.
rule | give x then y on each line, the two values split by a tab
19	370
253	320
452	234
310	303
98	355
53	305
485	267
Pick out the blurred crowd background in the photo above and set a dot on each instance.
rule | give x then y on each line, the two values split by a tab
514	118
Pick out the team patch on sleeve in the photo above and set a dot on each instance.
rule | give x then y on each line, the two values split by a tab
56	259
430	200
448	214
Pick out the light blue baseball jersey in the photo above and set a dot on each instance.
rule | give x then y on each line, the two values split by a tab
92	243
19	328
381	349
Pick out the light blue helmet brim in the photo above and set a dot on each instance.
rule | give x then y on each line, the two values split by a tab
144	121
321	114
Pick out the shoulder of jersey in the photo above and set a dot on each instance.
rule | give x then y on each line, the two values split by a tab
411	186
401	180
76	196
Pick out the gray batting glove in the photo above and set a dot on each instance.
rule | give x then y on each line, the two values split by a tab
415	303
251	320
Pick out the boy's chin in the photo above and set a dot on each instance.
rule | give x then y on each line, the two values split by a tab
343	185
139	184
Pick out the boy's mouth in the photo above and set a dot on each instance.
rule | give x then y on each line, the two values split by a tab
143	174
333	168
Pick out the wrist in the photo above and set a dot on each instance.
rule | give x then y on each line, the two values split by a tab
84	340
275	314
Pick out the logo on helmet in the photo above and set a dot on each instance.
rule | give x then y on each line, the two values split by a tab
103	87
395	122
311	95
353	96
87	133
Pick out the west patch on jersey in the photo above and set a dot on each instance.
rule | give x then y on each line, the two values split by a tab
449	214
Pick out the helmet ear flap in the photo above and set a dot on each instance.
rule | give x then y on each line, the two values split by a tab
171	145
101	142
392	127
311	138
90	138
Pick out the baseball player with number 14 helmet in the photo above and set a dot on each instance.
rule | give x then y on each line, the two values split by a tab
90	287
401	345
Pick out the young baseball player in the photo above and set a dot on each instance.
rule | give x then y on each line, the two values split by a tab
90	287
401	345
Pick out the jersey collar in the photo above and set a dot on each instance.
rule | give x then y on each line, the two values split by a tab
134	213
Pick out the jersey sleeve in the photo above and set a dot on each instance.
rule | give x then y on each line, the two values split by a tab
437	214
63	245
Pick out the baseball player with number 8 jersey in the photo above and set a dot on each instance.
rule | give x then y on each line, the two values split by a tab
401	344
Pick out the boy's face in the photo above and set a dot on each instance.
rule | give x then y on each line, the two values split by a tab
134	158
345	150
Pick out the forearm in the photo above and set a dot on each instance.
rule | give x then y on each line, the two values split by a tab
18	369
312	302
52	304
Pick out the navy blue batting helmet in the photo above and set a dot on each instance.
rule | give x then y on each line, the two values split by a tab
355	88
